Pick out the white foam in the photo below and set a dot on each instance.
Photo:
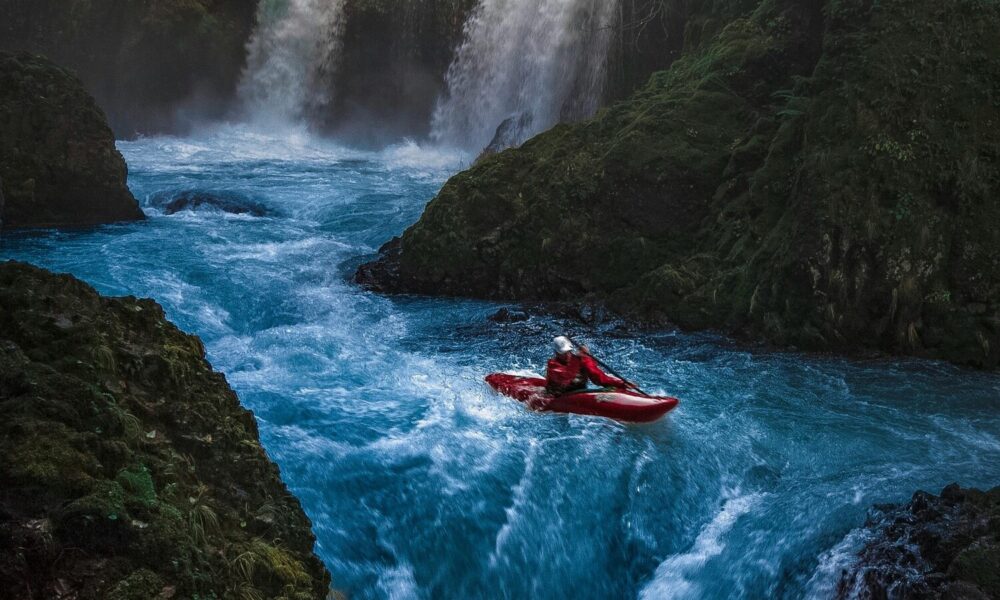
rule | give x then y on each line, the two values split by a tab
518	500
826	577
398	583
674	577
411	155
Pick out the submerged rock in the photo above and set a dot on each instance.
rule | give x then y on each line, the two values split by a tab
945	546
229	202
775	182
130	469
508	315
58	160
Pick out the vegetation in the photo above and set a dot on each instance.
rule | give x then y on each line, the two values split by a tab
130	469
820	174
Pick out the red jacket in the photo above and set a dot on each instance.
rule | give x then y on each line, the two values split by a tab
569	371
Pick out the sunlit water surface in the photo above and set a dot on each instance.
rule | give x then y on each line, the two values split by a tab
422	484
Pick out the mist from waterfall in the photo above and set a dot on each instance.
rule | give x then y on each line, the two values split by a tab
291	60
524	66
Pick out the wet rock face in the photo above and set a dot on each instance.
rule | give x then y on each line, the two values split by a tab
153	66
772	183
391	68
945	546
58	160
130	469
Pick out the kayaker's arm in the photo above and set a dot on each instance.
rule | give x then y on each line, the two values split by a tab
595	373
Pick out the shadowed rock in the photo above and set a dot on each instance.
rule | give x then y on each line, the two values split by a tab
58	160
945	546
130	470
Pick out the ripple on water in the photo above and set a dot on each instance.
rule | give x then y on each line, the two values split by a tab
422	483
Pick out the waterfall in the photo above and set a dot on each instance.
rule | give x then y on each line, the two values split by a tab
291	59
524	66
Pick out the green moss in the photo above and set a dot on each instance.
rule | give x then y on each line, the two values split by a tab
138	484
140	585
820	174
105	503
979	565
146	465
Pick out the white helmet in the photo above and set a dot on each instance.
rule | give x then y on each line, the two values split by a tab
562	344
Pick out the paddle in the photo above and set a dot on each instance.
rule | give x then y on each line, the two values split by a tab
608	367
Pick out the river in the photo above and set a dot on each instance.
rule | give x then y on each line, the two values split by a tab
423	484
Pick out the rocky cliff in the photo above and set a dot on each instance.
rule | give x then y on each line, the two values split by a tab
392	65
58	161
130	469
153	66
945	546
821	174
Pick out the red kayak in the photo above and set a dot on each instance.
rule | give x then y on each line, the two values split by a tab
622	405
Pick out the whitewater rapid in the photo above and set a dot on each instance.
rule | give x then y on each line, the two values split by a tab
422	484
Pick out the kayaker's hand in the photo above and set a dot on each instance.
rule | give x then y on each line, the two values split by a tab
584	350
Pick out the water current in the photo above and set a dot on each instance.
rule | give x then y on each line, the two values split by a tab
421	483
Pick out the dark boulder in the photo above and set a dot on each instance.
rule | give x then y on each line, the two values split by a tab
507	315
58	160
197	200
935	547
381	274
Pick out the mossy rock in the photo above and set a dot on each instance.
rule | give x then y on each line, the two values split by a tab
58	163
822	174
945	546
131	469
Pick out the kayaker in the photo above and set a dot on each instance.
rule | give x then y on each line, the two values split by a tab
569	370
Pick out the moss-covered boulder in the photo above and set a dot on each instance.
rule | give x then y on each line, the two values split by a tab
58	162
945	546
816	173
130	469
152	65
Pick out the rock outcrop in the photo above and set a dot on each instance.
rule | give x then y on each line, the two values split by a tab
935	547
130	469
58	162
822	174
153	66
392	65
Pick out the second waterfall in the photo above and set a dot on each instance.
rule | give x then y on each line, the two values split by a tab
517	67
524	66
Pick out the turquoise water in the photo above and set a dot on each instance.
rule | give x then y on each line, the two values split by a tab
422	484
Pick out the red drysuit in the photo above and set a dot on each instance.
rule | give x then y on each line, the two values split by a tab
570	371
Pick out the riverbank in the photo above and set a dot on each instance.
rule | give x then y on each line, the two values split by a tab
131	470
774	183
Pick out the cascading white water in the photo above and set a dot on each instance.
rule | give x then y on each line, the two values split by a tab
526	65
291	59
